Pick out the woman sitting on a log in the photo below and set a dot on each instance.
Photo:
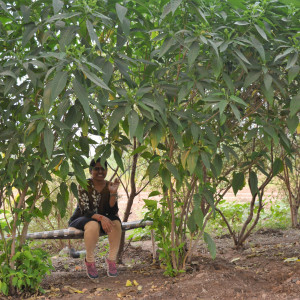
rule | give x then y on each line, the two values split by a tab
97	212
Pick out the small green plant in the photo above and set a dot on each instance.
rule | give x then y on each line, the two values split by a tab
31	265
162	226
275	214
103	247
140	234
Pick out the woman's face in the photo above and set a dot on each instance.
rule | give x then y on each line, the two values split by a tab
98	172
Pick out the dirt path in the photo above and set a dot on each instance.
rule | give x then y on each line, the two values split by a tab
268	268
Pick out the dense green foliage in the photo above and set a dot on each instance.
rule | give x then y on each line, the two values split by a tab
194	83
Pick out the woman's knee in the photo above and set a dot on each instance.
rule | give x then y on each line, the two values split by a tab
92	226
117	225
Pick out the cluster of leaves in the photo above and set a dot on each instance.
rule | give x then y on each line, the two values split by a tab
191	81
275	214
31	265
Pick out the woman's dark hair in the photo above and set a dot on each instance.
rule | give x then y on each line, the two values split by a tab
93	163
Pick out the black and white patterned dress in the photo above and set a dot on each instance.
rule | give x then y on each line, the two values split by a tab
92	202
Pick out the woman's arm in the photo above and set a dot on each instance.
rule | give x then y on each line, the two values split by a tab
113	189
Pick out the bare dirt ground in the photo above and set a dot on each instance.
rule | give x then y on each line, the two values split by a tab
267	268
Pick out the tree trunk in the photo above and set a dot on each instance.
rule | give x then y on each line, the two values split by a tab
129	202
294	215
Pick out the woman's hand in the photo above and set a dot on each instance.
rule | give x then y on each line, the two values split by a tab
106	224
113	186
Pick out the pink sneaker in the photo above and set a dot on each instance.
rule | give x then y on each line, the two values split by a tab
91	270
111	268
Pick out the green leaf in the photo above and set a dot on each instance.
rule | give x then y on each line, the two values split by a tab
184	157
193	53
168	43
173	170
118	159
292	60
46	206
30	30
293	72
285	53
61	205
64	169
63	16
154	193
210	244
184	91
121	12
288	163
208	195
228	82
49	141
82	95
94	78
166	177
261	32
238	100
259	47
84	145
197	200
8	73
192	224
155	135
198	216
218	164
205	159
241	23
238	182
53	89
57	6
79	172
95	119
139	150
222	105
235	111
229	150
268	81
295	105
174	130
153	169
195	131
253	183
242	56
133	120
292	123
277	166
166	11
250	78
174	5
150	203
116	117
192	161
58	84
92	33
14	281
74	190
